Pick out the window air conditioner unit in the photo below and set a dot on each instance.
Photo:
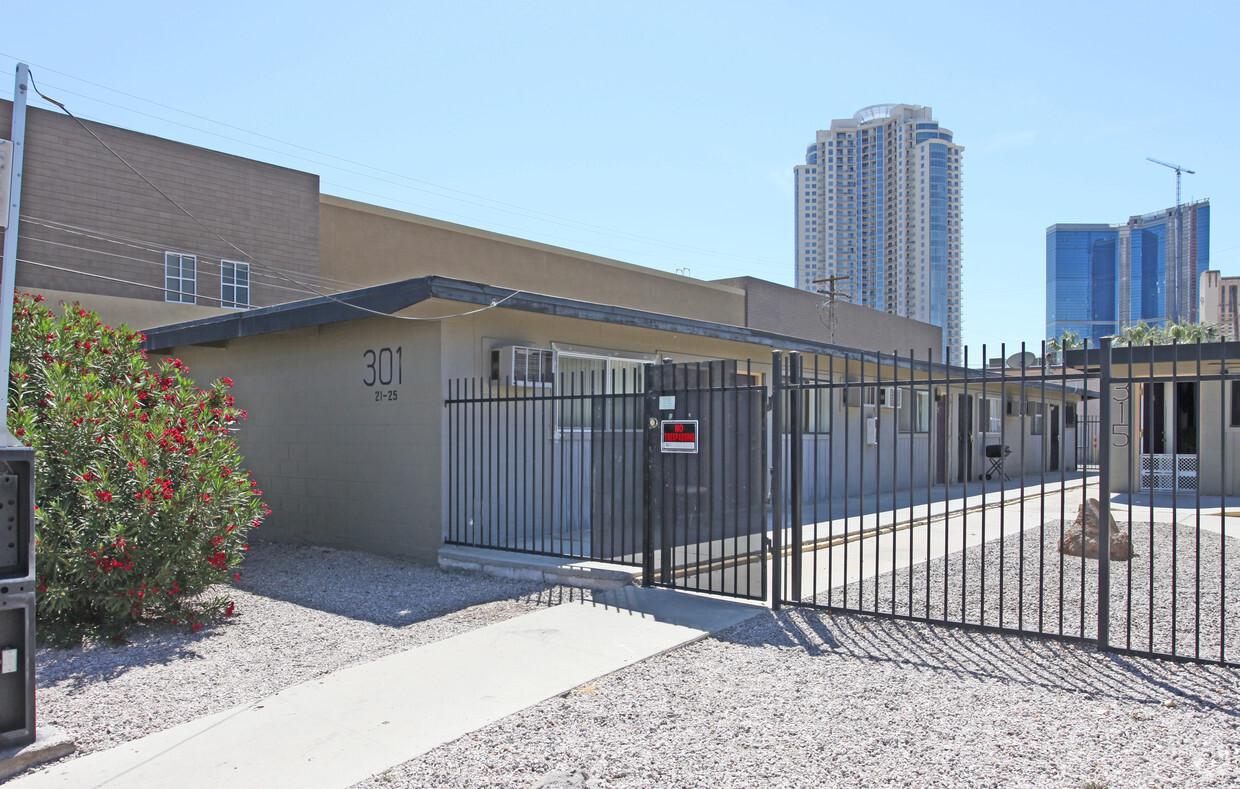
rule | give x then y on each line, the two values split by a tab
889	397
518	365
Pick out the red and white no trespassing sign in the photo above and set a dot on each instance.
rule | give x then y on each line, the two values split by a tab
680	435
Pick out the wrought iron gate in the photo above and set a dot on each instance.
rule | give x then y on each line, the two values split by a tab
572	465
706	513
865	522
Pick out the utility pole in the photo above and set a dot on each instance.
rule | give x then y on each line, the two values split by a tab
9	263
1179	234
832	294
17	567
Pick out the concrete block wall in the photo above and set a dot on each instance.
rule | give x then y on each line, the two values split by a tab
73	185
341	462
784	310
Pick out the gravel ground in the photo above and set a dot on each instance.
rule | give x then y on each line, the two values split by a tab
300	612
798	698
1142	602
808	699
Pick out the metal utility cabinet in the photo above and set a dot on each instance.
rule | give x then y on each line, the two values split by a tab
17	589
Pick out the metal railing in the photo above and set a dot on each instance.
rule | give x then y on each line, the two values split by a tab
900	486
919	491
550	467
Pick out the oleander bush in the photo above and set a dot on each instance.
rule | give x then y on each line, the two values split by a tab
141	501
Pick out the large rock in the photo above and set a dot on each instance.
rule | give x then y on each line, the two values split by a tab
1081	538
567	779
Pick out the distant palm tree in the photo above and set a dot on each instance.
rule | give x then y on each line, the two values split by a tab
1068	341
1141	333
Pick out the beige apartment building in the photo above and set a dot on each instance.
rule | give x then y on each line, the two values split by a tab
236	233
1220	303
344	325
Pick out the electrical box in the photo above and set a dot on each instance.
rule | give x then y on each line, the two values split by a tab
17	594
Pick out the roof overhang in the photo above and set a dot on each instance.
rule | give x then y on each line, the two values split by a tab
390	298
1181	358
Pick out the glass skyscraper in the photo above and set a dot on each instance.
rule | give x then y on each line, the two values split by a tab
1101	278
878	209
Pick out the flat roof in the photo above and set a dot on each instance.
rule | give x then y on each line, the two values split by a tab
381	300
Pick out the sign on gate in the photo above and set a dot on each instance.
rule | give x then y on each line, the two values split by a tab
680	435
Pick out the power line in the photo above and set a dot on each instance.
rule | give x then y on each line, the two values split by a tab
494	303
28	238
512	227
213	232
157	248
490	203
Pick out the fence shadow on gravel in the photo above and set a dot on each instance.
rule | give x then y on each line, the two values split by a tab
375	589
1023	660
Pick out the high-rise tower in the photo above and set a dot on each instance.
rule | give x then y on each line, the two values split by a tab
878	202
1101	278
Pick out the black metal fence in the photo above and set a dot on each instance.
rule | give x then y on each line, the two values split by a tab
551	467
576	466
706	517
900	486
949	495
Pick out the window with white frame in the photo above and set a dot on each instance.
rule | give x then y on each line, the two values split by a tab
581	372
1034	412
989	415
180	278
913	414
816	403
234	284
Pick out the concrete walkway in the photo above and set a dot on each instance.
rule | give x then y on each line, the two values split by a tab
344	727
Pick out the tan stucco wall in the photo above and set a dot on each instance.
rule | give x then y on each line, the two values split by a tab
336	466
339	467
135	313
368	245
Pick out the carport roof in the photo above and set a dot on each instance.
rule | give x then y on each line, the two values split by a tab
1163	359
395	296
392	297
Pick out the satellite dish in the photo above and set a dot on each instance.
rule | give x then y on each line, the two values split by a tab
1019	361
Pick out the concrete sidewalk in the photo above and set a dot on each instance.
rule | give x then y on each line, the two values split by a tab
344	727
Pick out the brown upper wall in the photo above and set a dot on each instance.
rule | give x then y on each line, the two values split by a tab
368	245
70	179
799	313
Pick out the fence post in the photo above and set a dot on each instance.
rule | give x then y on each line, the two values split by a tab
777	475
650	428
796	462
1104	498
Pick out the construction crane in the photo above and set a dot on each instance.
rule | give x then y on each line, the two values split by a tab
1179	234
1178	169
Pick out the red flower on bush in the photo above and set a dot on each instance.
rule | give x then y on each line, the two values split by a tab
76	386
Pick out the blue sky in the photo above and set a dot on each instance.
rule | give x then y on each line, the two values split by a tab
664	134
